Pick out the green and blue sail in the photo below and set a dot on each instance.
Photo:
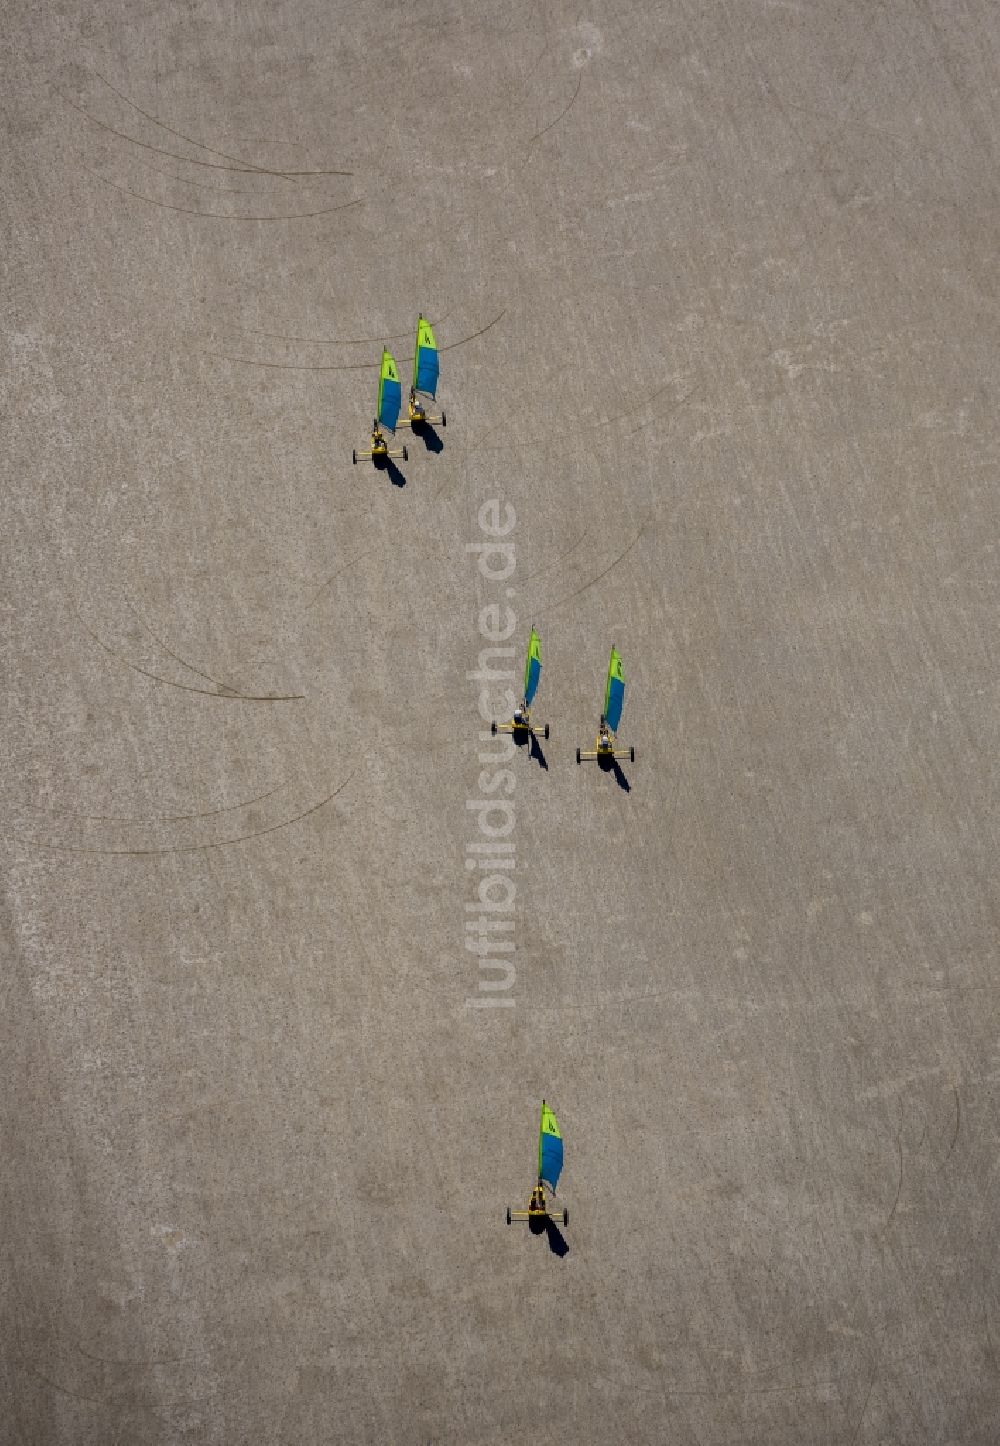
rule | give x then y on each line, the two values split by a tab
390	394
532	668
550	1149
426	369
425	359
614	693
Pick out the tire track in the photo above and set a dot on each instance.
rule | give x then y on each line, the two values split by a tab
593	426
350	341
565	112
153	1361
197	848
899	1182
565	432
156	817
341	366
222	215
864	1409
958	1126
551	607
199	185
186	687
332	578
541	54
560	559
224	155
454	345
224	687
188	160
116	1398
55	1386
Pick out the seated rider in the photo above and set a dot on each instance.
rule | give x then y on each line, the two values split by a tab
378	441
416	410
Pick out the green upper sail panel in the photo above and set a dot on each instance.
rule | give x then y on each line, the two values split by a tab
614	694
532	667
550	1149
390	393
425	359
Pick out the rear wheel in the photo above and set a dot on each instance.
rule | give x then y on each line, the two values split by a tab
493	729
631	755
354	457
444	420
546	730
565	1217
578	755
406	455
508	1214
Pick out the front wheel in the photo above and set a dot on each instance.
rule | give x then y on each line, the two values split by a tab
354	457
578	755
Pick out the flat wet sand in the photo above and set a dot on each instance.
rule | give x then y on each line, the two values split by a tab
716	293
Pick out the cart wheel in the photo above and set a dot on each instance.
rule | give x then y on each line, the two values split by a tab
578	755
546	730
631	755
406	455
354	457
444	420
493	729
508	1214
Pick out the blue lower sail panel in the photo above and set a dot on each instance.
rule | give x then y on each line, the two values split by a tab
534	673
392	396
427	371
552	1159
616	701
